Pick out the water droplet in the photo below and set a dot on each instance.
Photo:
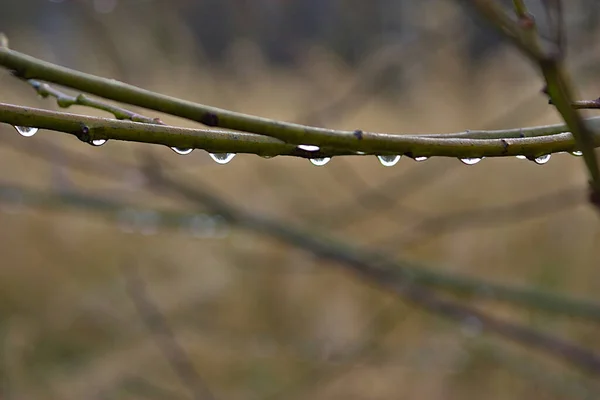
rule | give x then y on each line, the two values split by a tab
308	147
26	131
420	158
577	153
471	161
98	142
182	152
389	161
542	159
521	157
320	161
222	158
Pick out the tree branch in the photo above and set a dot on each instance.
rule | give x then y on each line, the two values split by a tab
344	142
378	271
524	34
89	129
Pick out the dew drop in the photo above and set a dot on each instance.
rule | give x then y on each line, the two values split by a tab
471	161
521	157
26	131
98	142
577	153
182	152
308	147
222	158
542	159
420	158
320	161
389	161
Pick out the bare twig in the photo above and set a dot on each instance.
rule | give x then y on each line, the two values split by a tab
376	270
165	337
541	140
65	100
523	33
344	142
431	227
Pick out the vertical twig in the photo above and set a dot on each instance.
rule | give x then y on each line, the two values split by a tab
157	324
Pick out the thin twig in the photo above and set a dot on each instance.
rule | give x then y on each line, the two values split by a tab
65	100
28	67
379	272
89	129
451	223
165	338
523	33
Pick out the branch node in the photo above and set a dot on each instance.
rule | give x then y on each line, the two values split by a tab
359	134
209	119
84	134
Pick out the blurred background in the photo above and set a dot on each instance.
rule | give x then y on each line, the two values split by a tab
259	319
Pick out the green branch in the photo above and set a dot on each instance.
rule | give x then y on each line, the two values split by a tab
344	142
524	35
89	129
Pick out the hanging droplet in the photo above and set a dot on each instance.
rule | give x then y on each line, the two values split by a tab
521	157
420	158
98	142
320	161
182	152
542	159
471	161
222	158
389	161
577	153
26	131
308	147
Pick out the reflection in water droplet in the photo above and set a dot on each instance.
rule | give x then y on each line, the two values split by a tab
98	142
389	161
26	131
308	147
542	159
320	161
521	157
471	161
577	153
420	158
222	158
182	152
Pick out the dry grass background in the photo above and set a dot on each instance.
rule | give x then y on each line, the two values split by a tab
261	320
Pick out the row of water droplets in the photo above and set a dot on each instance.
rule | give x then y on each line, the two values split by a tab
386	160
